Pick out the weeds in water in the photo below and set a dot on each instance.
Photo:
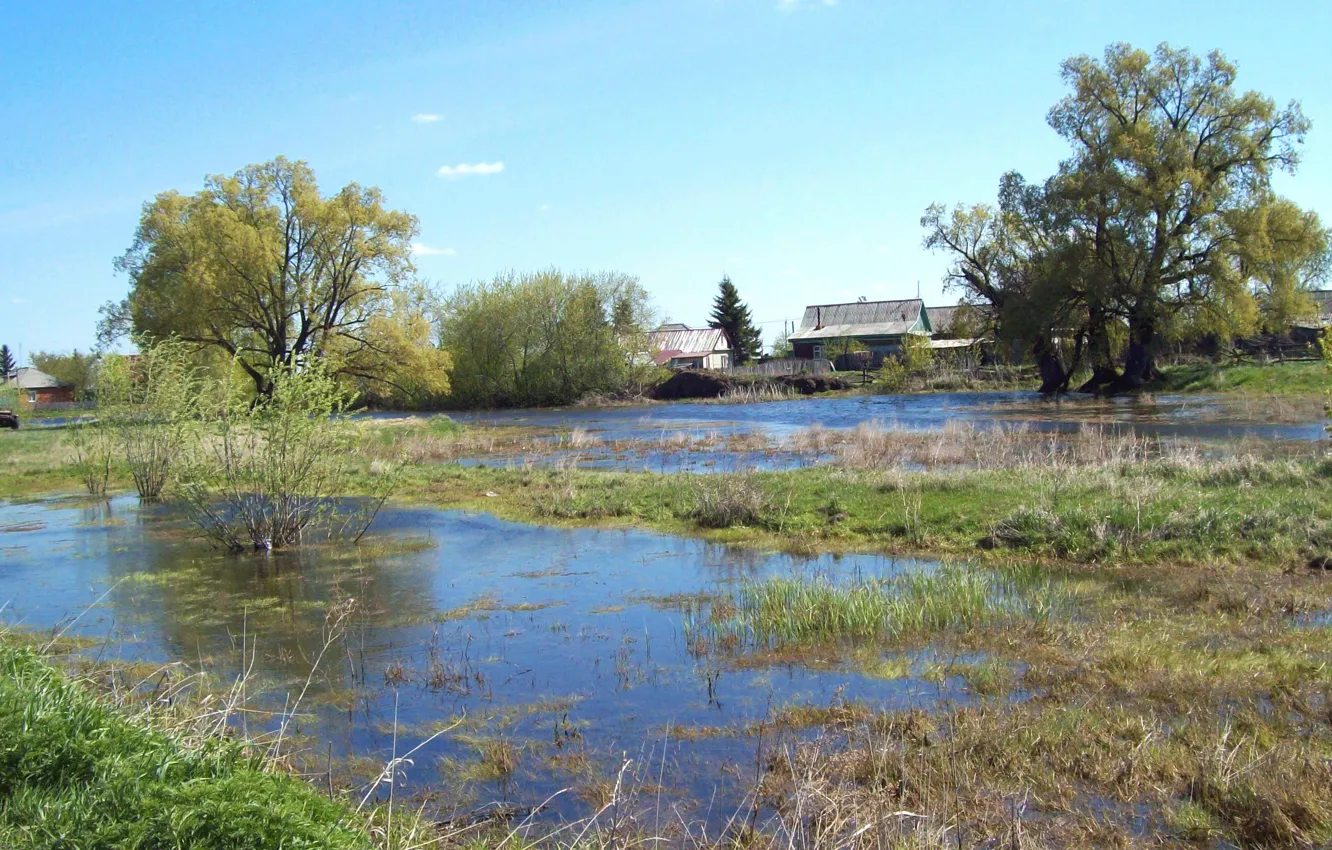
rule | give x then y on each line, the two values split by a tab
782	611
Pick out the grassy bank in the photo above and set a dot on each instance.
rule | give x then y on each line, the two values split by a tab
1276	512
1090	497
1296	378
75	772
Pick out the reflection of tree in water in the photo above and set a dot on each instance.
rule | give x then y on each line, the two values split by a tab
205	601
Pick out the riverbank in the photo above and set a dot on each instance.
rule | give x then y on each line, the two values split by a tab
80	770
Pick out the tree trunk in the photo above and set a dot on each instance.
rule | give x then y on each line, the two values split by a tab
1054	377
1098	352
1140	363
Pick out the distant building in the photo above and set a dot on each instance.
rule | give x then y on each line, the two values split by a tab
36	388
682	347
878	325
1323	299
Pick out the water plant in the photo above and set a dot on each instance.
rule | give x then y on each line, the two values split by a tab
782	611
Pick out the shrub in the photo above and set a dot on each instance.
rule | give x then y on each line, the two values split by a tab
148	406
723	501
274	465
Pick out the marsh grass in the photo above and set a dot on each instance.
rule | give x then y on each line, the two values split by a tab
725	501
784	611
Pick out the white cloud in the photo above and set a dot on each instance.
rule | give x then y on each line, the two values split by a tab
792	5
421	250
16	301
544	208
791	273
425	118
464	169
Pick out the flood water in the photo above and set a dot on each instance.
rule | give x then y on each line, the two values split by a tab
566	646
712	437
1184	416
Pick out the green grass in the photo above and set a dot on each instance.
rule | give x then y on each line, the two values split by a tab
784	611
76	773
1276	511
1291	378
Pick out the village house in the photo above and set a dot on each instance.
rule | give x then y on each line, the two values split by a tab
880	326
38	389
682	347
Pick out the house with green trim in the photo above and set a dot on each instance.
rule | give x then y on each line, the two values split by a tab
879	325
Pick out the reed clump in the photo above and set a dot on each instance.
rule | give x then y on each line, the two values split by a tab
726	501
785	611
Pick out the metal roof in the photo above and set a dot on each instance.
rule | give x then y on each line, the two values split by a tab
941	318
29	378
860	319
679	341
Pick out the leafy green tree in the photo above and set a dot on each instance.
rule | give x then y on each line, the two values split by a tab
403	364
7	364
731	315
781	346
70	368
1154	222
542	339
263	267
1169	159
917	356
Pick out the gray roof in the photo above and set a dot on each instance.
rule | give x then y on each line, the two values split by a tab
941	318
29	378
860	319
680	341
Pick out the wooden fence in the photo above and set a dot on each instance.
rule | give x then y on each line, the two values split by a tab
783	366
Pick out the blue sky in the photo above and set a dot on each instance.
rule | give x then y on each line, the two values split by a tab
792	145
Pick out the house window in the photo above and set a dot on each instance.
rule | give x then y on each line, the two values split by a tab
32	396
818	351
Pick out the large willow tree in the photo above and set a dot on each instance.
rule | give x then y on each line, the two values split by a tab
261	266
545	338
1163	215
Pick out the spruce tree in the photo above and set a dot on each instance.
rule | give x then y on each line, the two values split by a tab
731	315
7	364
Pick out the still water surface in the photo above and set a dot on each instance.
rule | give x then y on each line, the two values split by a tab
563	643
1185	416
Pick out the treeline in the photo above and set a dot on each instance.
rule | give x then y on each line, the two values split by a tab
1162	224
262	274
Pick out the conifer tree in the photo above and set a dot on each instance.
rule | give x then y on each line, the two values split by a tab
731	315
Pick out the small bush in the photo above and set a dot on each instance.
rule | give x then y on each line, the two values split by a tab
724	501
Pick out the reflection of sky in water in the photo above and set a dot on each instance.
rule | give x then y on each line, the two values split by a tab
1179	415
1215	419
590	633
